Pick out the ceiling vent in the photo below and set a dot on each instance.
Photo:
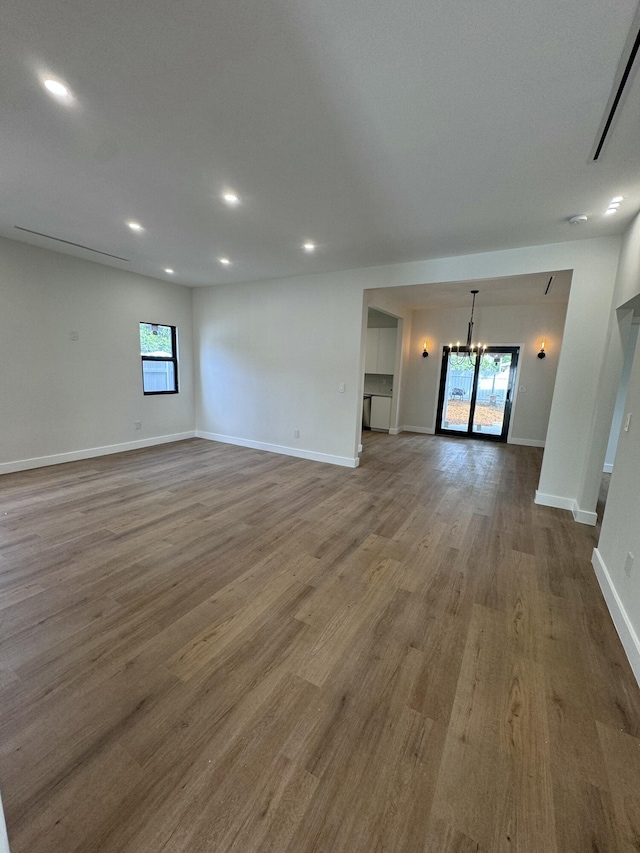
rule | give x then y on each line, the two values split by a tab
69	243
621	85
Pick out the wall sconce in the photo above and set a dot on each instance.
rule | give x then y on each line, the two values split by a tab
425	354
542	353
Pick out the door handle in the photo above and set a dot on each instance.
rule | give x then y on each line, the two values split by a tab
508	394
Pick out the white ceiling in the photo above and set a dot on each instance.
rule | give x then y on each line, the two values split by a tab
533	289
384	132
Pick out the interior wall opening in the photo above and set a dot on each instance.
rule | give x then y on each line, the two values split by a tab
525	313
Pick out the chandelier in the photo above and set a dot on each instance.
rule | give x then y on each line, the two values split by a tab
465	359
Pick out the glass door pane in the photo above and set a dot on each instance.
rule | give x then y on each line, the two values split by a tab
492	393
458	391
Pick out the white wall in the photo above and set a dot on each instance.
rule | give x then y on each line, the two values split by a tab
620	533
628	279
272	356
518	325
621	398
62	399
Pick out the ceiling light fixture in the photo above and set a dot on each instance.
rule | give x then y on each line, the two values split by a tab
231	198
168	270
580	219
224	261
614	204
309	247
56	88
135	226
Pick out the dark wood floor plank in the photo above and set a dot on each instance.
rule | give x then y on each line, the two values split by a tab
622	758
495	780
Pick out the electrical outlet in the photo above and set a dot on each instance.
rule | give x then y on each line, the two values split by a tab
342	388
137	424
628	564
73	336
296	433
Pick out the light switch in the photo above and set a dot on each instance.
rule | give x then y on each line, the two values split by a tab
627	422
628	563
342	387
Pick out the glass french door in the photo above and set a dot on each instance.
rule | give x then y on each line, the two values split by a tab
476	392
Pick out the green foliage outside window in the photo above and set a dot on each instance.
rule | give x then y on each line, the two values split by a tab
155	343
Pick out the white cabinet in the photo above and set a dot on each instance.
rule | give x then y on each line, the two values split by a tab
380	356
371	356
386	351
380	412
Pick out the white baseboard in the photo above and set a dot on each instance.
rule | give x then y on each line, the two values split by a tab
345	461
420	429
90	452
584	516
559	502
526	442
395	430
607	468
556	501
623	625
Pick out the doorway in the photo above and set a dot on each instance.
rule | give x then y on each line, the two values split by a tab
476	392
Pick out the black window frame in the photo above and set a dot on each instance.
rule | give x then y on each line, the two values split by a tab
173	359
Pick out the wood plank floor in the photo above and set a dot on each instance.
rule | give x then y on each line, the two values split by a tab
209	648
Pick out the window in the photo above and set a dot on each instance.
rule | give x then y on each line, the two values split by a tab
159	359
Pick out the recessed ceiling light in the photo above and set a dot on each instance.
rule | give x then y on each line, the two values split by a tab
55	87
224	261
614	204
135	226
309	247
231	198
169	270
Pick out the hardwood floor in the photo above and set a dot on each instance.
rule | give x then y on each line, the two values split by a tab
209	648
